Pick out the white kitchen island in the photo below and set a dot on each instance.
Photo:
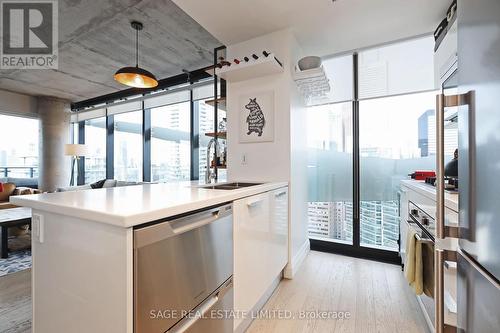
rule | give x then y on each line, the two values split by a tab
83	248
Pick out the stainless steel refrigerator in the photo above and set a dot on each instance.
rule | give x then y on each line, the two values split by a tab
478	256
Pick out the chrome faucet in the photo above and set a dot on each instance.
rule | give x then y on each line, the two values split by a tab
209	173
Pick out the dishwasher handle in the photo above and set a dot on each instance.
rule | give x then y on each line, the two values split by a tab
163	230
201	311
193	318
184	225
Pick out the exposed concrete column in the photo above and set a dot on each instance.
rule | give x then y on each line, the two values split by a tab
54	170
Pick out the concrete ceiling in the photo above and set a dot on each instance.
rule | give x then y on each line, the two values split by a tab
95	39
322	27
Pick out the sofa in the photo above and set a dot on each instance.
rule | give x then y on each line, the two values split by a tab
105	183
11	189
21	182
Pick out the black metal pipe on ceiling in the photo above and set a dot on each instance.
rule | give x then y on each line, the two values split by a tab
169	82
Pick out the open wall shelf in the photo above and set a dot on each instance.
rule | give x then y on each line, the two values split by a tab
252	69
221	103
220	135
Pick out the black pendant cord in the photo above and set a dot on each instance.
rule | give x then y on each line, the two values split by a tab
136	47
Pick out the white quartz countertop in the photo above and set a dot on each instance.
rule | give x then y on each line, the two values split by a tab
133	205
450	198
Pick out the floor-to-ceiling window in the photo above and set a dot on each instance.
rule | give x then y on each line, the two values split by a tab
95	140
393	117
206	125
18	147
170	142
362	144
156	138
389	151
128	146
329	143
330	156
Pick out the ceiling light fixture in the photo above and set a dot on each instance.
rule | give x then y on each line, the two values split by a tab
135	76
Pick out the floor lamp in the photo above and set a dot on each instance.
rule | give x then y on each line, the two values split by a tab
75	151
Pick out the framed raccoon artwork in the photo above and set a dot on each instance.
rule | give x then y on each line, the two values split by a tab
256	112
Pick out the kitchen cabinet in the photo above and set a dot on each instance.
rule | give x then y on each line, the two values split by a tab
93	252
260	247
279	230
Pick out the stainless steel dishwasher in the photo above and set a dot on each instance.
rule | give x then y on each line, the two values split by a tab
183	273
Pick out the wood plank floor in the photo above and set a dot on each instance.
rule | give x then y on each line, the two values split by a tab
15	302
375	295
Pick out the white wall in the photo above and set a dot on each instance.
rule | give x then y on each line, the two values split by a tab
17	104
267	161
284	159
299	239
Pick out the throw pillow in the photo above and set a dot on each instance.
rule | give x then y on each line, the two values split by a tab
8	190
109	183
98	184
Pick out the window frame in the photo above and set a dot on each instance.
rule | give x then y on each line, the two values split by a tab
146	139
356	249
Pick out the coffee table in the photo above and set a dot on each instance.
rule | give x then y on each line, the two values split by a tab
12	217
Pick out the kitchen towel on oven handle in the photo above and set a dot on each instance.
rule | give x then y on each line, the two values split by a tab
413	268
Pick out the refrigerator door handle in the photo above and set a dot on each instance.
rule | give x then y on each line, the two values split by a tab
440	256
443	101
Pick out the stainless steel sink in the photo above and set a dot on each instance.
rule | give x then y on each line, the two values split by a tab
229	186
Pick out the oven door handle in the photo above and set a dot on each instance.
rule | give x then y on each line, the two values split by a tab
417	236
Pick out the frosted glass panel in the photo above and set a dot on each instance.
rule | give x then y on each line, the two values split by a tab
400	68
397	137
329	140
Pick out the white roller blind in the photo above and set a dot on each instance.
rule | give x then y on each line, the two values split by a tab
399	68
200	91
86	115
125	107
205	92
167	99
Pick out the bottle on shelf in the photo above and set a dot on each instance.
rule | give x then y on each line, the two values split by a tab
223	125
255	56
224	62
265	53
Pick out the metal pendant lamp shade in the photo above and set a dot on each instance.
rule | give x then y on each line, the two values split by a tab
135	76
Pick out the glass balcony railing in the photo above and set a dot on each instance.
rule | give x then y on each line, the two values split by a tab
19	171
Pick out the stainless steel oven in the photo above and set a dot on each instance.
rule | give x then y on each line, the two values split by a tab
425	227
183	273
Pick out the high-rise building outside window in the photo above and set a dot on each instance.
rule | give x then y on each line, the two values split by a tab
170	143
128	146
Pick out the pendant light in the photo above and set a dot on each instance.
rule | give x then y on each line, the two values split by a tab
135	76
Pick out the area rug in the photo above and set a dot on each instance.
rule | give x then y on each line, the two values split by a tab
19	255
17	261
